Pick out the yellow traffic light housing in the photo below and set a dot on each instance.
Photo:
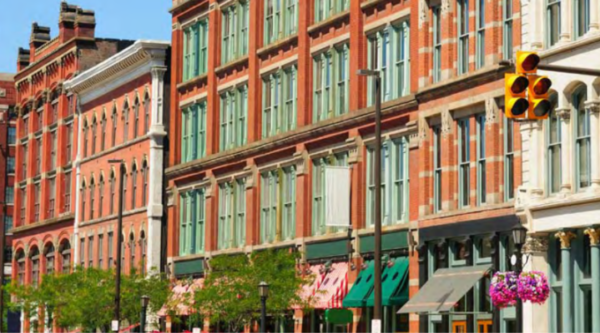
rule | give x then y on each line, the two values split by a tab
539	104
527	62
515	97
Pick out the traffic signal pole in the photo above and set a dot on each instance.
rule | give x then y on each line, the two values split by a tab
561	69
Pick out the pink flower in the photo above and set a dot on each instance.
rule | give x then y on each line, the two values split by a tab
533	287
503	289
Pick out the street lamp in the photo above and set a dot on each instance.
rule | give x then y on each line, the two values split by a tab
263	292
376	323
519	234
145	301
117	315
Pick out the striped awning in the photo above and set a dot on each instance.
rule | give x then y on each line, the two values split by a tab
333	287
308	291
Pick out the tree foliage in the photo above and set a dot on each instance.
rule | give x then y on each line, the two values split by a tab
86	297
230	291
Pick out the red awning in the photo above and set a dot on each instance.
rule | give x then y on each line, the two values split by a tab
309	290
333	287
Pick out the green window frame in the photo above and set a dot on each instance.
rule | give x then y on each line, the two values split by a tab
553	22
507	28
195	49
325	9
509	159
480	36
331	83
437	43
581	17
463	36
234	31
318	191
583	154
278	205
395	192
281	19
193	132
389	53
279	102
437	168
464	162
191	222
231	231
481	160
553	151
234	115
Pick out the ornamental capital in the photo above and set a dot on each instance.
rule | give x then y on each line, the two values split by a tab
563	113
594	235
536	244
446	123
593	106
565	238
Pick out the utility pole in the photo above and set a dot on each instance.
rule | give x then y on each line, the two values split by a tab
117	315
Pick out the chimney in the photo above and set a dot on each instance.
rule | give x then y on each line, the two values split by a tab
85	23
66	22
23	59
39	36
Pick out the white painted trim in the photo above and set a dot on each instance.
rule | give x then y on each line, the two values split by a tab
278	65
330	43
388	20
193	100
232	84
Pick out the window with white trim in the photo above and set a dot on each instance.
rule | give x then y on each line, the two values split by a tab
231	231
195	49
553	149
331	83
191	222
234	31
437	168
325	9
279	102
437	43
234	113
581	16
507	29
463	35
509	159
553	22
193	136
583	154
281	19
464	160
480	36
278	198
481	160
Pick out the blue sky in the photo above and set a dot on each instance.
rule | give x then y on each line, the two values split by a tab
122	19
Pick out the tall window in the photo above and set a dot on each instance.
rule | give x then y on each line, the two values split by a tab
463	36
53	148
507	29
480	50
389	51
20	258
85	139
278	198
94	136
35	266
9	195
126	122
49	256
65	251
113	134
581	17
69	148
82	193
232	214
25	159
90	252
136	117
191	222
100	195
331	83
23	204
38	198
481	155
134	186
38	157
12	135
437	169
234	25
131	251
437	43
145	175
124	193
509	159
54	107
318	185
103	132
324	9
394	182
51	196
10	165
464	160
113	185
8	225
70	105
552	22
195	49
553	141
146	113
143	249
193	136
92	198
582	139
100	251
67	191
281	19
279	102
111	247
234	111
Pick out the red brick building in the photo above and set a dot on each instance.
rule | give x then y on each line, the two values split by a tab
122	117
46	149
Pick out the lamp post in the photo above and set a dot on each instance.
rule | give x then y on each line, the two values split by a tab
376	323
263	292
117	315
519	234
145	301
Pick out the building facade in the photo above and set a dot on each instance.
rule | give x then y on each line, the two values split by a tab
561	177
122	117
46	149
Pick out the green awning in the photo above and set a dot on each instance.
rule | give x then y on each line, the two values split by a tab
361	288
394	284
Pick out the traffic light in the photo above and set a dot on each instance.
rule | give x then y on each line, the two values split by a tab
515	99
539	104
527	62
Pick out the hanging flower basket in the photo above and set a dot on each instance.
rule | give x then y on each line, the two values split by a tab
533	287
503	289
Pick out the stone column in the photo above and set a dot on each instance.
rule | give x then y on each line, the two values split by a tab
564	114
594	17
566	9
594	234
594	109
565	238
535	317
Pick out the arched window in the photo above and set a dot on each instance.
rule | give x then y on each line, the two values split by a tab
65	253
103	132
82	192
136	117
92	197
85	138
100	195
145	187
94	135
582	139
146	112
113	185
20	259
35	266
133	185
143	263
113	134
125	121
49	253
124	194
40	114
131	251
553	147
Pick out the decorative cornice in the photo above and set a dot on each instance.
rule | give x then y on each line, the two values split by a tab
593	106
565	238
536	244
491	111
446	122
563	113
594	234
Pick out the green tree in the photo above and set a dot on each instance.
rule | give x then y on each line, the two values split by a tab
230	291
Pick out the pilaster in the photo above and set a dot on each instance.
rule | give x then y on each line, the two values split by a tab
564	114
593	108
535	317
565	238
594	235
